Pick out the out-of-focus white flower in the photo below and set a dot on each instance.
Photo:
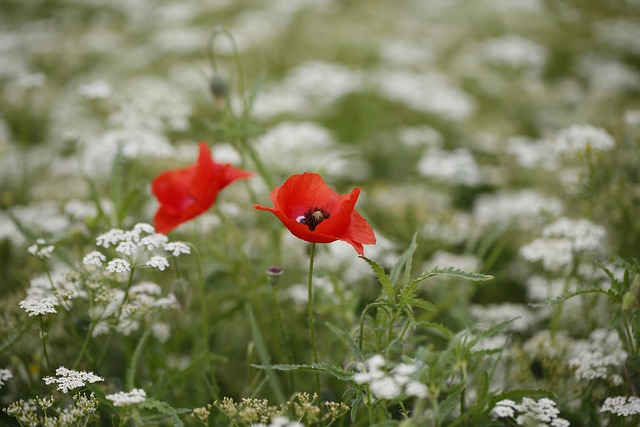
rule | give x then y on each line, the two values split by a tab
599	357
41	249
454	167
522	207
158	262
5	375
97	89
132	397
578	138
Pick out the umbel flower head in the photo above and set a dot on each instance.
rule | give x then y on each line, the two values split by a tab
314	212
187	192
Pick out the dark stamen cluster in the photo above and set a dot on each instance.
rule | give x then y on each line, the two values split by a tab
313	217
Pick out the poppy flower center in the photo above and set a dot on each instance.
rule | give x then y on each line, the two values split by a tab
313	217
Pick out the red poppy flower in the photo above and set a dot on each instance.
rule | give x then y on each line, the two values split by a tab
187	192
314	212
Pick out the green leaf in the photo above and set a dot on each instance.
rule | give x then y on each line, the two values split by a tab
405	262
565	297
344	336
263	354
454	272
326	368
15	337
164	408
131	370
423	304
387	287
443	330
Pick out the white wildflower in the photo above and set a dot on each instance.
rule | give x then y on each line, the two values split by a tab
522	207
453	167
622	406
515	51
5	375
578	138
41	249
161	331
111	238
97	89
542	412
132	397
94	258
416	389
158	262
69	379
177	248
127	248
118	265
599	357
39	306
385	388
555	254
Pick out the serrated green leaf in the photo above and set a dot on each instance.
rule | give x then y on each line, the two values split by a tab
326	368
387	288
565	297
454	272
164	408
405	262
446	332
423	304
344	336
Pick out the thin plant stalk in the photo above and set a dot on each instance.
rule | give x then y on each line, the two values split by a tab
286	341
43	336
312	329
205	325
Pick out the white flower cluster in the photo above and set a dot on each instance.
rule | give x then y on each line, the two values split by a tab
310	85
39	306
622	406
390	383
41	249
454	167
540	413
522	207
600	357
138	247
5	375
68	379
132	397
578	138
280	421
144	302
523	317
562	241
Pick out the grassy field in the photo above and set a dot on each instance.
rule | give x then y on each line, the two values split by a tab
496	146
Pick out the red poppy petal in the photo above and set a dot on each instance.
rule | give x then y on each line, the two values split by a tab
230	174
203	185
340	218
166	220
301	231
302	192
172	188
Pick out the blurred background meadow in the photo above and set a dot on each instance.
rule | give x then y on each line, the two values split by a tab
495	137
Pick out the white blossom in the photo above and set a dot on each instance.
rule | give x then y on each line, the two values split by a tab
39	306
118	265
94	258
122	398
158	262
622	406
177	248
5	375
69	379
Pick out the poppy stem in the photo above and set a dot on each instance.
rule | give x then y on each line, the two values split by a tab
312	329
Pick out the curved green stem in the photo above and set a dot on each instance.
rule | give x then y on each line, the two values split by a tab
312	329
